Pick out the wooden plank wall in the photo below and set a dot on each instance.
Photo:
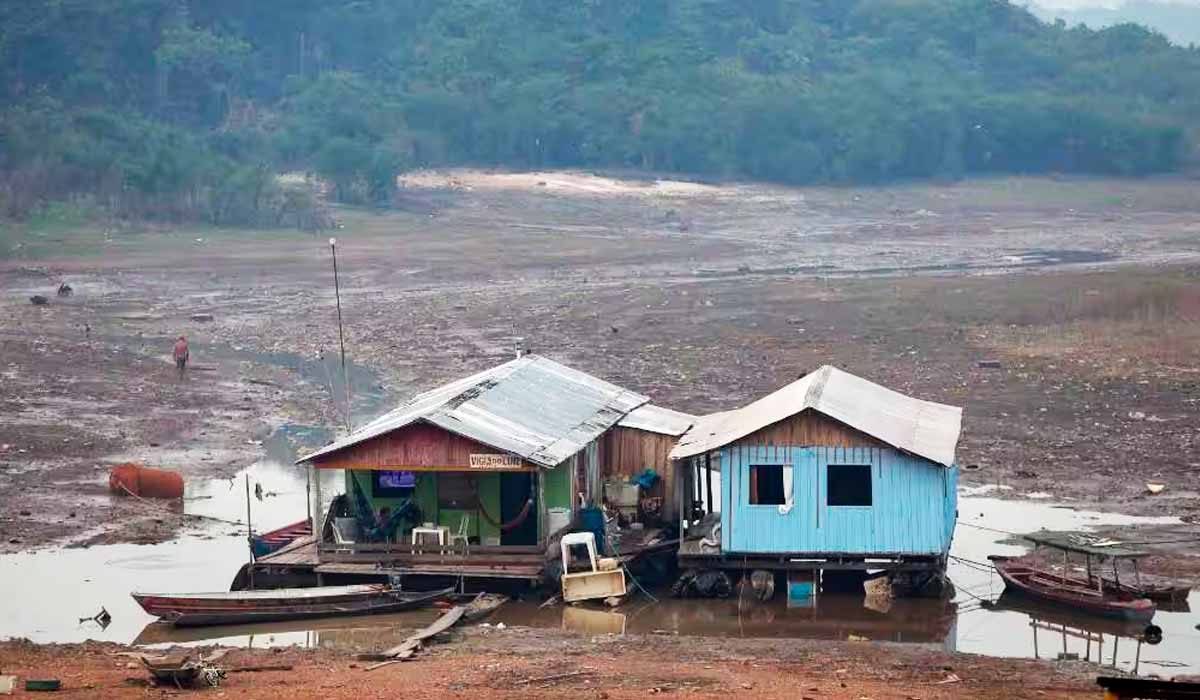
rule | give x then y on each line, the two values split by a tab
626	452
809	429
414	446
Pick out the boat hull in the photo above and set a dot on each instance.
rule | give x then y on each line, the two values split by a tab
1023	578
275	540
286	604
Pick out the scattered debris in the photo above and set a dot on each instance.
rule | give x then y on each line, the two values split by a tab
183	671
101	618
555	677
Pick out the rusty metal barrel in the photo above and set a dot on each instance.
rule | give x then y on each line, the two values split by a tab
137	480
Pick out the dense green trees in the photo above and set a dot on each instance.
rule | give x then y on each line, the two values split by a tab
179	109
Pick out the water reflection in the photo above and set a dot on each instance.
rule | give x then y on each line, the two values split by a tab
1056	634
836	617
360	633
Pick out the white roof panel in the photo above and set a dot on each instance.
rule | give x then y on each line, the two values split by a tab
656	419
923	428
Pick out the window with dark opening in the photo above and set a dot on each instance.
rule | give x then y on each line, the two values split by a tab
849	484
770	484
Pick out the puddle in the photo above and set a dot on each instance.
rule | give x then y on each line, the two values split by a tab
1009	630
46	592
284	495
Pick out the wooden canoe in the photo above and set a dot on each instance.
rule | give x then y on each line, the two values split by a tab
240	607
1023	576
277	539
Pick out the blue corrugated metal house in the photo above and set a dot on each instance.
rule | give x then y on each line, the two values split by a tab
831	471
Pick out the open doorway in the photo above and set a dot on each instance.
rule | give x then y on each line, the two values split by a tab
518	506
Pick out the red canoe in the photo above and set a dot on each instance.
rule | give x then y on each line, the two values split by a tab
1023	576
276	539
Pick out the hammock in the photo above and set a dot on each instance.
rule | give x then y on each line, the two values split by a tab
368	523
511	524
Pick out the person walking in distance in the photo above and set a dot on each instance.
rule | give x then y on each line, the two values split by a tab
181	355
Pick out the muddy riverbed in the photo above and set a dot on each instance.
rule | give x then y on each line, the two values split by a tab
1082	296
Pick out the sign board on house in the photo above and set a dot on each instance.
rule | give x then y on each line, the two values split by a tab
495	461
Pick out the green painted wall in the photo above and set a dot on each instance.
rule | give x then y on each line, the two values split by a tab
556	485
425	495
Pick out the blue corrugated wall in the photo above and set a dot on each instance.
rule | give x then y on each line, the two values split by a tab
913	509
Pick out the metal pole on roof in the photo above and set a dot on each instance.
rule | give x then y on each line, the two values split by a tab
341	333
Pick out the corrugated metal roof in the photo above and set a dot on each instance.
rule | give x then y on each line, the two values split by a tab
532	407
656	419
923	428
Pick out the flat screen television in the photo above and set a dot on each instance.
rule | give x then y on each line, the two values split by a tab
393	484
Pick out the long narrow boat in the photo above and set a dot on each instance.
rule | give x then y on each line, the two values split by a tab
277	539
239	607
1024	576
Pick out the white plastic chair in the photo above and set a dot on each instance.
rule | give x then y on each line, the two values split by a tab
573	539
464	527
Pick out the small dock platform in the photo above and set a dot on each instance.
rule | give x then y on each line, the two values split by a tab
305	559
307	562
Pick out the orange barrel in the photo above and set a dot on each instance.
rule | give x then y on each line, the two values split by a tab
126	479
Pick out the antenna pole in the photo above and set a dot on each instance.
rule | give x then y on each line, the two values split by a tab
249	532
341	333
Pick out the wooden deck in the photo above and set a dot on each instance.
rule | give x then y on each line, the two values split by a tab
400	559
301	551
384	559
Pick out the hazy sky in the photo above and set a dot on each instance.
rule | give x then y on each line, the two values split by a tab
1073	4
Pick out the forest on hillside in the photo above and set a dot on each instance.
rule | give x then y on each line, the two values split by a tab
188	109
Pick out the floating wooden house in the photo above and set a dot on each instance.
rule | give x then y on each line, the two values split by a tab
830	472
487	469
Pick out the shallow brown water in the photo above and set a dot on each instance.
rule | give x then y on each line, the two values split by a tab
45	593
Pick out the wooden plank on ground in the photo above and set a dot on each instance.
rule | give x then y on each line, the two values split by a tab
407	648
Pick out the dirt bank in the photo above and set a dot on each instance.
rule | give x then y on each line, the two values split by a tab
703	297
535	663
